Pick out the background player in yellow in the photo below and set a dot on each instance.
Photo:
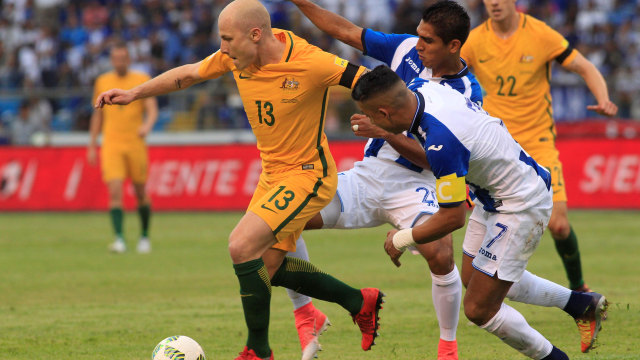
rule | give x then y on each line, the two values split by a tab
511	55
123	153
283	83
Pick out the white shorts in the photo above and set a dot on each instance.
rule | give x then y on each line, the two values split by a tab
377	192
503	243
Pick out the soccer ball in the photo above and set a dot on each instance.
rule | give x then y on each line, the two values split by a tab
178	347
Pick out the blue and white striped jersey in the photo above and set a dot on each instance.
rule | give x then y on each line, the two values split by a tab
465	144
399	52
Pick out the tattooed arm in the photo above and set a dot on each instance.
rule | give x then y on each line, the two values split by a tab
172	80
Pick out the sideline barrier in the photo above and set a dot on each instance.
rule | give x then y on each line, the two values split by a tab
599	174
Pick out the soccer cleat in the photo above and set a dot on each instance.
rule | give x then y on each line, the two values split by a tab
310	323
144	245
249	354
447	350
367	319
590	323
118	246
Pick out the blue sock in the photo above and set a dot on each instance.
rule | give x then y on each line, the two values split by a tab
578	304
556	354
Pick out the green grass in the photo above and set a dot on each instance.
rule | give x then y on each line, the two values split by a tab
63	296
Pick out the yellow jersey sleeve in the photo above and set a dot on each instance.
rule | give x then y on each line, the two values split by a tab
215	65
556	45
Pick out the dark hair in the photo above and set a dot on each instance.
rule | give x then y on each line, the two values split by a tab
449	19
372	83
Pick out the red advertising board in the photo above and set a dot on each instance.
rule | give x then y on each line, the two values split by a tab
215	177
598	174
601	173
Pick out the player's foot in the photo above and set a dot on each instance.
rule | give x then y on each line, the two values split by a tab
144	245
584	288
311	323
590	324
118	246
447	350
367	319
249	354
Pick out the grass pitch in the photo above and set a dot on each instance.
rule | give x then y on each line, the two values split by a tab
63	296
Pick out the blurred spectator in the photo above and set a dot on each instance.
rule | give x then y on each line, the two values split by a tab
61	44
28	127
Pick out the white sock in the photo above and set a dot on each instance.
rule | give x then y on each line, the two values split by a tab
512	328
446	291
298	299
532	289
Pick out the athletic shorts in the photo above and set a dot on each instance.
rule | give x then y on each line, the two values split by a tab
546	155
503	243
119	162
286	203
376	192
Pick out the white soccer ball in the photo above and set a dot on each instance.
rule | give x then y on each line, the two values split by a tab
178	347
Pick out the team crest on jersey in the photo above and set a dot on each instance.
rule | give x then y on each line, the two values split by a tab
290	84
341	62
526	59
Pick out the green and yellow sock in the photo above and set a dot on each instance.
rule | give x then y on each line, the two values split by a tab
570	255
117	218
304	277
255	293
145	217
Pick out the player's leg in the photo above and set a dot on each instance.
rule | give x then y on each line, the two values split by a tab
116	214
409	200
534	290
509	240
137	161
251	238
564	237
566	243
144	212
484	307
113	173
307	196
310	322
446	292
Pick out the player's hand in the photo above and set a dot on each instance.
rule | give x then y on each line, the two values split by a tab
114	97
607	109
143	130
92	155
391	250
361	125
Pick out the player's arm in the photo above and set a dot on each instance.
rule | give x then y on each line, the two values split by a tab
598	87
333	24
178	78
95	125
150	116
409	148
440	224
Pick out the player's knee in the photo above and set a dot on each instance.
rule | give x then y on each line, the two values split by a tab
315	223
237	250
476	313
441	263
559	228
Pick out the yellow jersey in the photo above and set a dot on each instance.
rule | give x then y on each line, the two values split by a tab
120	123
286	102
515	74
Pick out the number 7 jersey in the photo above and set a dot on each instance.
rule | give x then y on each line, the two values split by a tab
286	102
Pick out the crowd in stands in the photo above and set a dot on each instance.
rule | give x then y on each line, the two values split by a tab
60	46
